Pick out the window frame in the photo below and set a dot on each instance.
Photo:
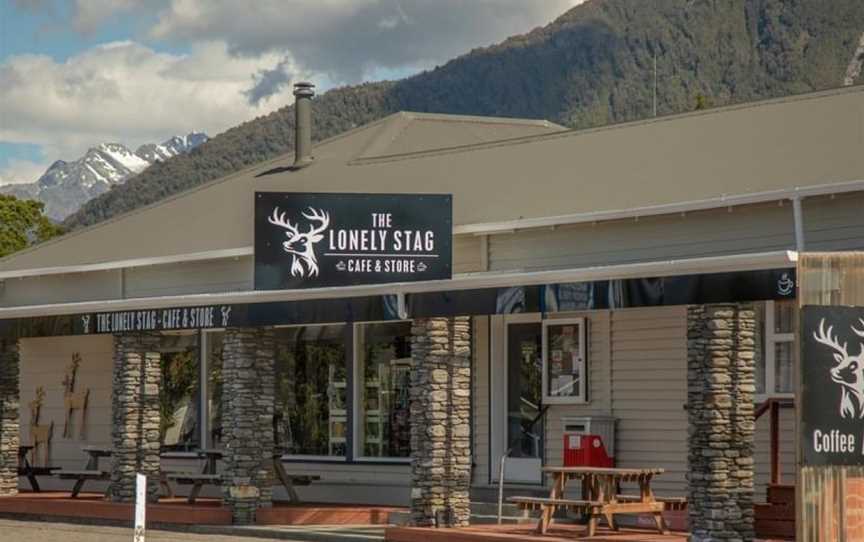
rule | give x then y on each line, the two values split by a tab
195	399
354	451
770	338
356	420
582	397
349	407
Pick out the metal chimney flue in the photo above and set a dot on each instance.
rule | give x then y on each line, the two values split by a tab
303	93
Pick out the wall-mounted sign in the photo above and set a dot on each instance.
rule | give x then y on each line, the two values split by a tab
305	240
204	317
832	391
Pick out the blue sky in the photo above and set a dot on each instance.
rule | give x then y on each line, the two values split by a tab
77	73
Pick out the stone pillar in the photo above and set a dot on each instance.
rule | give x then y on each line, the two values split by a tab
720	392
247	421
137	377
9	420
440	421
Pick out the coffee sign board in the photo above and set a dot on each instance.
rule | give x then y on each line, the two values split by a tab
316	240
832	386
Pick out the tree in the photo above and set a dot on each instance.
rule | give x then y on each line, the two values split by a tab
22	223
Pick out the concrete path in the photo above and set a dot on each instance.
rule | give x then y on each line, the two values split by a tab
38	531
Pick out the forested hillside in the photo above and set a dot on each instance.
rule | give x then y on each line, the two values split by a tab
594	65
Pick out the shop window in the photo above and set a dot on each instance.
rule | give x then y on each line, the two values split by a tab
178	394
775	365
311	390
564	361
382	388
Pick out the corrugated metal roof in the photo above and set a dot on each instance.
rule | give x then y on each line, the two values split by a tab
504	169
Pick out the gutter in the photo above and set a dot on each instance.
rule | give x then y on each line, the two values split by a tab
713	264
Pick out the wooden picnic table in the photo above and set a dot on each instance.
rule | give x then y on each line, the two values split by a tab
26	469
288	481
600	496
90	472
207	475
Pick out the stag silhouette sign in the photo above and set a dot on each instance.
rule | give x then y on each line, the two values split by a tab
305	240
832	386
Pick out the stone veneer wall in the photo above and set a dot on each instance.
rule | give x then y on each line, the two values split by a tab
720	393
247	420
440	421
137	377
9	417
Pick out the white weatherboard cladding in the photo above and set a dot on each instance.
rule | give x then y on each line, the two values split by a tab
43	363
637	368
638	374
480	399
649	391
830	223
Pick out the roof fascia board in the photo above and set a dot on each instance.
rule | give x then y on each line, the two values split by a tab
487	228
136	262
713	264
509	226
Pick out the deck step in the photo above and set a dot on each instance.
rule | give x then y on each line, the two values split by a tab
776	521
491	509
510	517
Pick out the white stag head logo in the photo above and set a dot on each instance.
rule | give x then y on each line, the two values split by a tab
848	373
302	245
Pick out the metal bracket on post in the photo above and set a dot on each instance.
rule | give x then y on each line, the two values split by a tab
401	309
798	216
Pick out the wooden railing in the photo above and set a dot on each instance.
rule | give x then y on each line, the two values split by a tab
774	405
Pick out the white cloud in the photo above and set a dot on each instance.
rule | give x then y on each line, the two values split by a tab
90	14
350	39
21	171
129	93
243	57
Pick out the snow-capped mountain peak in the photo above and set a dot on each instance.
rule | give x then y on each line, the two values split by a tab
65	186
171	147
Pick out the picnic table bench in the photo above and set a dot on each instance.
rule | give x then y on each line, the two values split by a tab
90	472
600	497
29	471
207	476
288	481
210	476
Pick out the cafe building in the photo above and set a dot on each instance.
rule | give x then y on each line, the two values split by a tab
397	308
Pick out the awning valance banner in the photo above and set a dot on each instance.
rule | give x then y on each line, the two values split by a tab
726	287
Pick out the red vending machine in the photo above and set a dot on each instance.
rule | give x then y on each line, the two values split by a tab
589	441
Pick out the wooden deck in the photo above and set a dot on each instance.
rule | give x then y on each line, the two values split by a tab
557	532
525	532
92	506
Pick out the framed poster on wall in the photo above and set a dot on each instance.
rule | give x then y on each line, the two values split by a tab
565	367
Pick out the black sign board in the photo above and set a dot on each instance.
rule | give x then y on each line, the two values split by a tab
832	391
167	319
305	240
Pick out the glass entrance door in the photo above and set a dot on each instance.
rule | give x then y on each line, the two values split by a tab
524	393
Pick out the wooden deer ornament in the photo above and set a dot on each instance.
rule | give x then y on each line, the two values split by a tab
40	435
40	439
74	401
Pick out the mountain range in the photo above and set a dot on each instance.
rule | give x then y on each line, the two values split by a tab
65	186
593	65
